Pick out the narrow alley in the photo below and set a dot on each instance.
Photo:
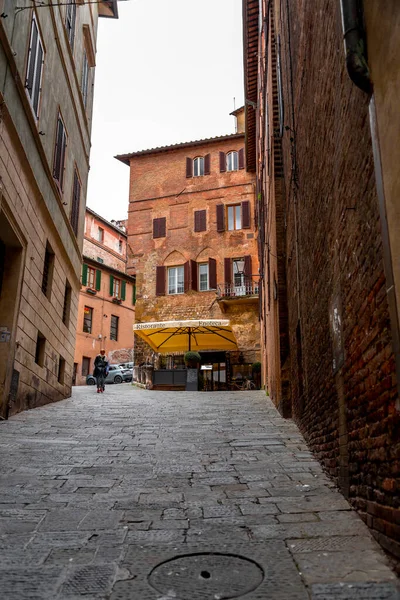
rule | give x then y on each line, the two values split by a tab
101	495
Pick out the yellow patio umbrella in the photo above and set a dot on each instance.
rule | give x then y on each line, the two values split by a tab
180	336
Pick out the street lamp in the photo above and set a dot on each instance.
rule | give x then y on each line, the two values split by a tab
239	266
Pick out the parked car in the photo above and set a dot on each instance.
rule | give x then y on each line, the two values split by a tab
115	375
127	365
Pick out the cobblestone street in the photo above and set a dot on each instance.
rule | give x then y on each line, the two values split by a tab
97	491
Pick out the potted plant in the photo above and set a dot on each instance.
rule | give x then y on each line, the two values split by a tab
192	361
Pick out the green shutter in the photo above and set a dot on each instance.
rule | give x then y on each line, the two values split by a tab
98	279
134	294
123	290
84	274
111	285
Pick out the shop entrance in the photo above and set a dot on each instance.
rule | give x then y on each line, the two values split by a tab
213	371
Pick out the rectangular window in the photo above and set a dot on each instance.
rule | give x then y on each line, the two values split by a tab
176	283
67	304
116	288
70	18
159	227
76	198
234	217
85	78
87	319
59	153
35	67
203	277
100	235
91	278
120	246
61	370
48	268
114	328
85	365
280	89
40	349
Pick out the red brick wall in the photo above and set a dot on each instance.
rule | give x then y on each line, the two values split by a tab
159	188
333	245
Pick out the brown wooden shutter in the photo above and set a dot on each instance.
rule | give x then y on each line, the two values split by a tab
241	158
220	217
194	275
159	227
207	162
76	196
222	162
247	267
186	276
197	220
212	273
160	281
155	228
203	220
163	226
228	270
189	167
245	214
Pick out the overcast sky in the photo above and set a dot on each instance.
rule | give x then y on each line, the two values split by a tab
167	71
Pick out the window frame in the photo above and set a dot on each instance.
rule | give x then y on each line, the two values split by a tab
91	278
70	24
120	246
198	165
35	86
85	78
235	155
100	236
114	328
59	177
117	287
85	319
88	361
76	202
199	265
234	207
177	269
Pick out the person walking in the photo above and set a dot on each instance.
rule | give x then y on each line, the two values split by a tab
100	370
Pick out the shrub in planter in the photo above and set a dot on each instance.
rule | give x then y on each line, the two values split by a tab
192	359
256	367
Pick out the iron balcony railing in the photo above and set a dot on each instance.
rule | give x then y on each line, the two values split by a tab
246	287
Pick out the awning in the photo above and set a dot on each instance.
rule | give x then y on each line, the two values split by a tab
181	336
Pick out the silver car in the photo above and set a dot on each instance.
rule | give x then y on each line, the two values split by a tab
115	375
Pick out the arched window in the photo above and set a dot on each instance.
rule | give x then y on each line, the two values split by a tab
232	161
198	166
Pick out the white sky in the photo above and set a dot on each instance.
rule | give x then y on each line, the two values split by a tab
167	71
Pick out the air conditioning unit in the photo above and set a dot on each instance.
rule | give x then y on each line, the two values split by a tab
91	291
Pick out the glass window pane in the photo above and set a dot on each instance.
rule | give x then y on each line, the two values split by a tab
171	280
229	162
203	276
238	217
180	285
230	218
234	161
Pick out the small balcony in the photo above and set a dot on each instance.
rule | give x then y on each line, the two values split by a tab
242	291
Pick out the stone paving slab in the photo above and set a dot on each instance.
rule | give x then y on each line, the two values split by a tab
95	493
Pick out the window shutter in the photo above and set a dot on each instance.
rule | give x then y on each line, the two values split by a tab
32	58
212	273
134	294
73	17
245	214
163	226
241	158
155	228
222	162
111	285
123	290
247	267
159	227
57	151
160	281
203	220
220	217
186	276
189	167
207	162
228	270
98	280
62	154
194	275
84	274
36	91
76	194
197	220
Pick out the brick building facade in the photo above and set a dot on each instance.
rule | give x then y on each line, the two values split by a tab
106	311
191	217
47	61
327	328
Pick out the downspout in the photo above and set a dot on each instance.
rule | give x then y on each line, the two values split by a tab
357	68
354	44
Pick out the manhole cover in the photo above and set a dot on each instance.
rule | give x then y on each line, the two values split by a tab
206	576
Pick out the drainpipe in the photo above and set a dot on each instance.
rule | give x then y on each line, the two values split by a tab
354	44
